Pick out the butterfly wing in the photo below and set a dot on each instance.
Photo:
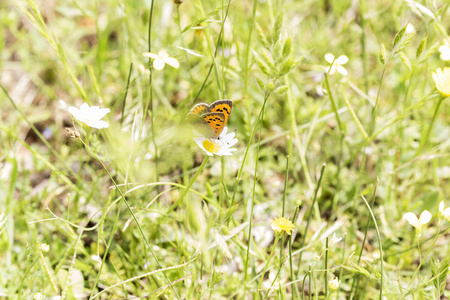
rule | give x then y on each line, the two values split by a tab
194	117
200	109
206	123
222	106
216	121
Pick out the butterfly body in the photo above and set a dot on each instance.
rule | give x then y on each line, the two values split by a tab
210	120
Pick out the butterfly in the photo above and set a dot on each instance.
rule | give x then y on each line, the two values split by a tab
210	120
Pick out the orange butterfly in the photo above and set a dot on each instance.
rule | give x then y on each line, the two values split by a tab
210	120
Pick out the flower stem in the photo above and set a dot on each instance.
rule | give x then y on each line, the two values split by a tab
295	294
427	136
326	268
422	260
247	47
215	54
126	93
115	225
188	187
379	243
309	218
266	96
357	277
272	252
252	206
152	103
46	269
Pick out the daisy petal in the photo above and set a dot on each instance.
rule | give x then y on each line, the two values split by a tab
151	55
329	57
172	62
99	124
158	64
425	217
342	60
341	70
411	218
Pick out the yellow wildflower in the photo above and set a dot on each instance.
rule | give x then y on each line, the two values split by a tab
442	80
281	224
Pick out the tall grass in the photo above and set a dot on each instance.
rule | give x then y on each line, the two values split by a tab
138	210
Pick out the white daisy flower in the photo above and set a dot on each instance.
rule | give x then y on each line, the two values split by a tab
334	239
44	247
418	223
220	146
337	65
90	115
333	284
38	296
444	211
445	51
161	59
269	284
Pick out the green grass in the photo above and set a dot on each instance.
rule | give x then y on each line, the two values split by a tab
137	210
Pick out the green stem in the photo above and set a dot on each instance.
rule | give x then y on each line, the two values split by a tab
126	93
427	136
381	246
326	267
273	281
266	96
272	252
363	44
309	283
251	210
309	217
295	294
357	277
152	103
180	200
214	57
115	225
247	47
421	261
341	268
333	103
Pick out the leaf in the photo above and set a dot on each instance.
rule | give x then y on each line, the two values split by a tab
206	19
287	47
262	65
354	267
232	209
261	84
399	35
405	60
262	37
382	54
421	47
281	89
420	10
224	238
277	27
404	42
190	51
439	270
429	52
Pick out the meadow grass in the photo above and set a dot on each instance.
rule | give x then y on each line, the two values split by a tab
349	149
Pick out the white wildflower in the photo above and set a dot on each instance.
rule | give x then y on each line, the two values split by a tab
90	115
161	59
418	223
220	146
336	64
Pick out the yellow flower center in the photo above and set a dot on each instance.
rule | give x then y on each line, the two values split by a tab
211	146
